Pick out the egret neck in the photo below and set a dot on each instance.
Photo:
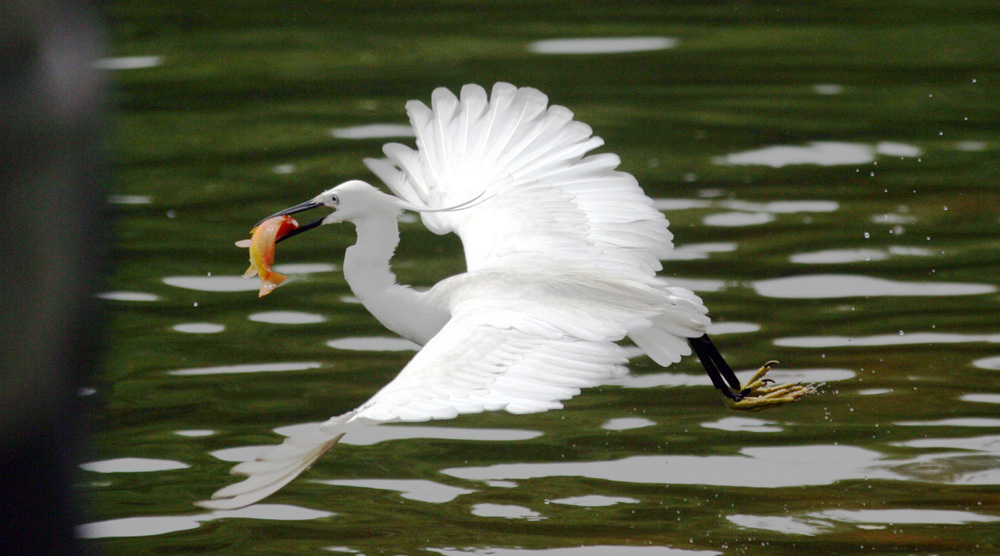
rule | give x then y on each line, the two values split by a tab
366	268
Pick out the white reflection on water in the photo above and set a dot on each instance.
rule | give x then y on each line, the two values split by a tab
600	550
595	501
507	511
744	424
239	283
199	328
911	338
254	368
128	296
373	131
627	423
132	465
657	380
782	207
130	199
698	285
373	343
213	283
956	422
828	89
128	62
779	524
695	251
976	461
901	516
981	398
369	435
161	525
840	256
286	317
720	328
821	522
733	219
602	45
767	467
824	286
680	204
991	363
305	268
423	491
365	436
823	153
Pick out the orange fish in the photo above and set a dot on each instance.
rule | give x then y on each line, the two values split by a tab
262	251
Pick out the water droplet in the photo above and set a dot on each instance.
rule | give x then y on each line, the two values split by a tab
867	235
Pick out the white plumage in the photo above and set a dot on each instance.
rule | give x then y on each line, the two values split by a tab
561	250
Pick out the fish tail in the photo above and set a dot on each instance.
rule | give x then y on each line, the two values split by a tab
272	281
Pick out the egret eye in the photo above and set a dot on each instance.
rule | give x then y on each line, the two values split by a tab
334	200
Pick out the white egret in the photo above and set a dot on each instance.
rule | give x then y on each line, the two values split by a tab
561	251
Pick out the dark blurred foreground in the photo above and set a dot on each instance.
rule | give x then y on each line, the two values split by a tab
56	241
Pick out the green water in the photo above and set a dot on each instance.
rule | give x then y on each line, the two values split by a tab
877	276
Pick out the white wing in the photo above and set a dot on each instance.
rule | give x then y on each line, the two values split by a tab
483	359
538	198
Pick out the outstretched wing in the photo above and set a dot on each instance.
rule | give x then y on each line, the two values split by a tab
537	196
483	359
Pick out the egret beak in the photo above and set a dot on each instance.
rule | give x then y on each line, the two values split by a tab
301	207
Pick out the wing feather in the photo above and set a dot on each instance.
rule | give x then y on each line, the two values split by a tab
540	191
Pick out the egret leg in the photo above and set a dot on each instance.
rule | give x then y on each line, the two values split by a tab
757	394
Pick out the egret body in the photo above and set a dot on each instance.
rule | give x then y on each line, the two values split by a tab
562	252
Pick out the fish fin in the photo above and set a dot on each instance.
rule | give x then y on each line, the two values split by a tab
250	273
244	243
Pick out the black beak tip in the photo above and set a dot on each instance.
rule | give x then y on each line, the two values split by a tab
301	207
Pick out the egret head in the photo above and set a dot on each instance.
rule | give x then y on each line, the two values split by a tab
351	201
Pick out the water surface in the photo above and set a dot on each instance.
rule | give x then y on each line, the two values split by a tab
830	173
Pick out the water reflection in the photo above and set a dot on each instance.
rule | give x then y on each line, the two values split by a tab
132	465
199	328
898	339
423	491
823	153
824	286
600	550
743	424
213	283
286	317
595	501
766	467
130	199
602	45
161	525
669	379
128	296
372	131
627	423
128	62
826	521
696	251
738	219
506	511
840	256
252	368
374	343
991	363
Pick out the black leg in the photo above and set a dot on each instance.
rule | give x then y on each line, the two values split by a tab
716	367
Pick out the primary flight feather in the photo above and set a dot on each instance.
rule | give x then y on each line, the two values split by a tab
561	250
